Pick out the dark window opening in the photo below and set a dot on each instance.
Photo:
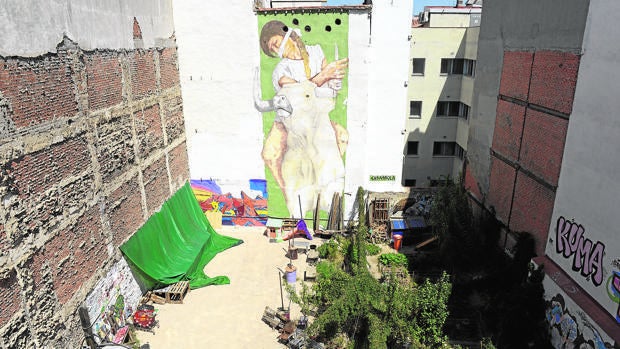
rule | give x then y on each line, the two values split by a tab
412	147
418	66
415	109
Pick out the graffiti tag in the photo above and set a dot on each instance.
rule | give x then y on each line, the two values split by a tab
587	257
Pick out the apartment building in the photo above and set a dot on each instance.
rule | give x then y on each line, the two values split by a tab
543	153
443	45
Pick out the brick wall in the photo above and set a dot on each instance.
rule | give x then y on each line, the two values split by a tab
501	188
40	90
115	147
92	139
554	77
9	296
156	185
169	68
143	79
516	74
508	129
543	145
532	209
34	173
149	130
178	164
536	95
75	252
104	75
124	210
175	125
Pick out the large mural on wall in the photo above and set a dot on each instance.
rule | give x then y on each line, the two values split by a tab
301	90
586	255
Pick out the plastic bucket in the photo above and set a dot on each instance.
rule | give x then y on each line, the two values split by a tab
291	274
397	241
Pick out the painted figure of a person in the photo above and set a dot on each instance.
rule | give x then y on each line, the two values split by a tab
298	63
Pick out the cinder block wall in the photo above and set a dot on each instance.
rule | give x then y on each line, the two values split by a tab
91	144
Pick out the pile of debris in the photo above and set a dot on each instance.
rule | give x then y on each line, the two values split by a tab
291	333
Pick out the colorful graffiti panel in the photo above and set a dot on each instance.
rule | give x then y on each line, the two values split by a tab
589	261
244	210
572	329
301	89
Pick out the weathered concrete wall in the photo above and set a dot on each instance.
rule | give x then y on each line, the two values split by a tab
525	80
514	26
543	151
218	52
586	204
93	141
91	24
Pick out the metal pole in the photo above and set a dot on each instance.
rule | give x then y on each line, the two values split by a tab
281	295
87	327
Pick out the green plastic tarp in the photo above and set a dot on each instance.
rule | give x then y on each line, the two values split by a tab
175	244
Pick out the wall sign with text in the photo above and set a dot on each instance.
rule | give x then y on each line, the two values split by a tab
383	178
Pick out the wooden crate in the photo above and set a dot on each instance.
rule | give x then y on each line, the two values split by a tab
288	225
174	293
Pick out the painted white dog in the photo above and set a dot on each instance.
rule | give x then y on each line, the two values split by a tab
312	162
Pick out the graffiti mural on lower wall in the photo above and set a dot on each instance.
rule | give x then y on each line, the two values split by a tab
111	301
571	328
247	209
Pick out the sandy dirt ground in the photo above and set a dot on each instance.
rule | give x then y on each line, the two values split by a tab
229	316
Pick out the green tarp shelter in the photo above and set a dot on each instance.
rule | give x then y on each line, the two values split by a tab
175	244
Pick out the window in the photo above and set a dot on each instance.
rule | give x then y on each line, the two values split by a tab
444	148
412	147
448	149
450	108
469	67
409	183
460	152
418	66
415	109
458	66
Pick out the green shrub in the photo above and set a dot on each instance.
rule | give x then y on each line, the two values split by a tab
372	250
393	259
325	269
328	250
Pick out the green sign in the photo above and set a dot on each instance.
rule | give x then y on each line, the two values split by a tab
383	178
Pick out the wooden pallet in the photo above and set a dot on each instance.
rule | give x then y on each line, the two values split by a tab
174	293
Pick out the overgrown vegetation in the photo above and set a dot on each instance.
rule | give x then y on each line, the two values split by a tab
372	249
498	289
355	310
393	259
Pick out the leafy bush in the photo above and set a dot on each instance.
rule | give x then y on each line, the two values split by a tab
372	250
393	259
326	269
328	250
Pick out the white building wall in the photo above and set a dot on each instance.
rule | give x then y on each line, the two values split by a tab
357	106
388	73
433	44
588	191
450	20
224	130
218	50
91	24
